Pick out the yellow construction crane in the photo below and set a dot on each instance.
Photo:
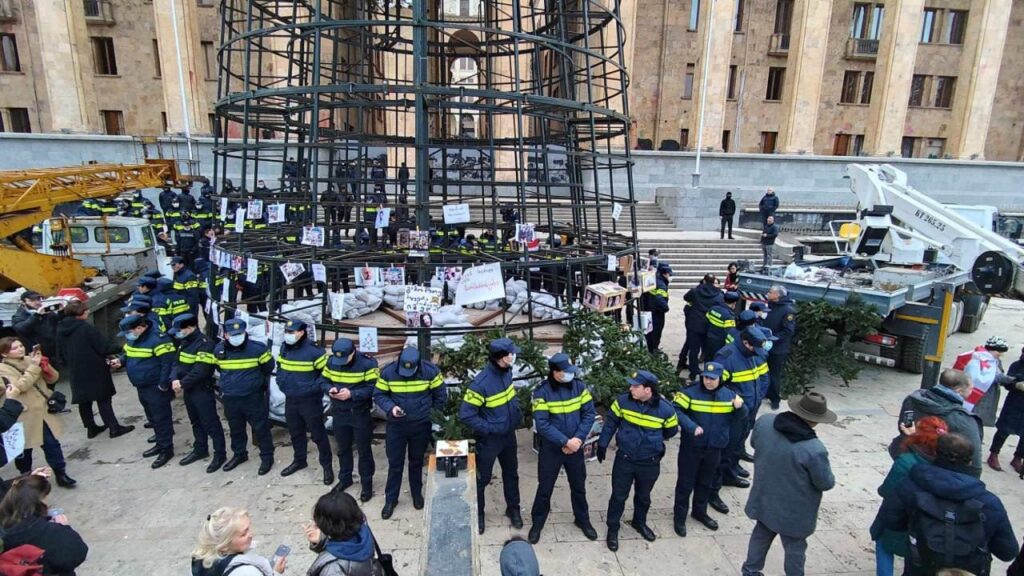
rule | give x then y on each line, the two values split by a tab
28	197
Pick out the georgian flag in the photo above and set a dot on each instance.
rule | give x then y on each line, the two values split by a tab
981	366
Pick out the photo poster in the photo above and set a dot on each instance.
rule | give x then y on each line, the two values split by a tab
252	273
456	213
419	320
276	213
613	263
237	263
319	272
393	276
223	209
368	342
402	239
383	218
313	236
422	299
254	209
419	240
616	211
549	165
225	290
480	284
239	219
461	165
451	275
292	270
336	300
646	324
367	276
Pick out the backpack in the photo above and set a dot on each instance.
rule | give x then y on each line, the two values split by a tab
219	568
948	534
24	560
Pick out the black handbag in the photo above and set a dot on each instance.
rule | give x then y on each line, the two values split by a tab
386	561
57	403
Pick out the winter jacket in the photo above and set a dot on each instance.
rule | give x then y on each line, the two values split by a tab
563	411
727	208
194	363
781	321
712	410
1011	419
244	369
640	428
251	564
955	486
34	328
33	394
149	359
895	541
745	372
720	318
10	411
769	233
64	548
352	557
792	473
359	376
768	204
489	405
657	300
83	352
167	304
186	285
703	298
948	405
416	395
298	368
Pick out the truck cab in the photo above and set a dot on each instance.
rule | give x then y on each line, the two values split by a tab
115	245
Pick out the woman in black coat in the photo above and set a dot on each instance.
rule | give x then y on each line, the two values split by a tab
24	518
1011	419
83	352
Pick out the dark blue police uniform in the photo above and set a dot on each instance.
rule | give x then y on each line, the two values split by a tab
416	387
657	302
744	373
148	360
720	319
194	368
358	373
781	321
298	373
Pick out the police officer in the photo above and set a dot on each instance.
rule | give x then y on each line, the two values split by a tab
657	302
192	375
706	411
186	237
166	303
204	207
299	363
188	201
244	368
147	358
640	420
746	319
329	199
142	305
761	310
139	206
185	284
166	197
349	380
781	320
407	390
490	409
702	298
563	413
172	214
721	317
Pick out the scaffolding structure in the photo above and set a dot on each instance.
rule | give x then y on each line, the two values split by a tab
517	108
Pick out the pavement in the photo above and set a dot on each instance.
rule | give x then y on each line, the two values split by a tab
141	521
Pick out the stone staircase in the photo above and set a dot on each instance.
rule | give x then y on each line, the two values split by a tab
691	259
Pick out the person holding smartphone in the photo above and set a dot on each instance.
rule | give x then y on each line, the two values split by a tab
226	545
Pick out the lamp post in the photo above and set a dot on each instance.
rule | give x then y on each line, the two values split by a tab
703	91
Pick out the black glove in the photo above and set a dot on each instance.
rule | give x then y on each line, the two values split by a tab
666	433
602	453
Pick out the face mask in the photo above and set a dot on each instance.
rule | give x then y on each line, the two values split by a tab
512	360
175	205
768	346
566	377
236	340
762	315
291	338
179	335
131	336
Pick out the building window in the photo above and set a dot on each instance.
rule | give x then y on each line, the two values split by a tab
726	136
113	122
866	23
907	146
9	61
103	56
688	83
156	59
694	14
684	139
730	89
933	147
866	87
858	145
850	81
738	18
956	27
841	145
19	120
163	121
210	58
929	25
783	16
917	90
944	88
877	14
776	77
768	142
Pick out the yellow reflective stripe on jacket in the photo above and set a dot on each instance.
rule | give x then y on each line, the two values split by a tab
206	358
187	358
165	348
321	362
643	420
339	377
238	363
562	406
707	406
133	352
660	292
501	398
403	386
295	365
471	397
741	376
716	320
181	285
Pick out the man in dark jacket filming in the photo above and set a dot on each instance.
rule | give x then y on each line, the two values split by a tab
36	324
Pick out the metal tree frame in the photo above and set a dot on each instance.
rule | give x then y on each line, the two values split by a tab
338	84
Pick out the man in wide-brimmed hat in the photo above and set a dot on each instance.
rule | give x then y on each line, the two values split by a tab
792	471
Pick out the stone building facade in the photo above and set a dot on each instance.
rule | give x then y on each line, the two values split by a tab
912	78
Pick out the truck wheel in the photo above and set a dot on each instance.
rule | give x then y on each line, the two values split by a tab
912	355
975	306
891	353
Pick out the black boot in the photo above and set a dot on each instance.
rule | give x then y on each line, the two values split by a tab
480	526
587	528
328	475
292	468
535	531
216	463
514	518
612	540
121	431
235	461
162	459
152	452
389	509
95	431
192	457
63	480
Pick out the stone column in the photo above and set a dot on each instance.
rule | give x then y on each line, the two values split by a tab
979	73
720	14
894	69
67	66
807	56
190	48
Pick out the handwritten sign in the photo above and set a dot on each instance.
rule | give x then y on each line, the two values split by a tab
456	213
275	213
319	272
383	218
14	441
479	284
368	339
313	235
616	211
337	302
422	299
239	219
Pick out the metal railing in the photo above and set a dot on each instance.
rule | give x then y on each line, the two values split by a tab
862	48
780	44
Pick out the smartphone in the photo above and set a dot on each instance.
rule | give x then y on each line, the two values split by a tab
37	349
54	512
282	552
907	418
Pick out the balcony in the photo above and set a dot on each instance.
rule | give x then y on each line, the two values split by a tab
861	49
7	13
779	45
99	12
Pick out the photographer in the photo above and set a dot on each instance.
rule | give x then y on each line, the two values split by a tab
36	324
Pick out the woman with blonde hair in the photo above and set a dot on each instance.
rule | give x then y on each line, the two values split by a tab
27	377
225	543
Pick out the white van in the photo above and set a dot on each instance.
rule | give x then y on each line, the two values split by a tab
116	245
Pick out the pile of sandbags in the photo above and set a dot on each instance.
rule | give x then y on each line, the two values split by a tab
394	296
363	301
